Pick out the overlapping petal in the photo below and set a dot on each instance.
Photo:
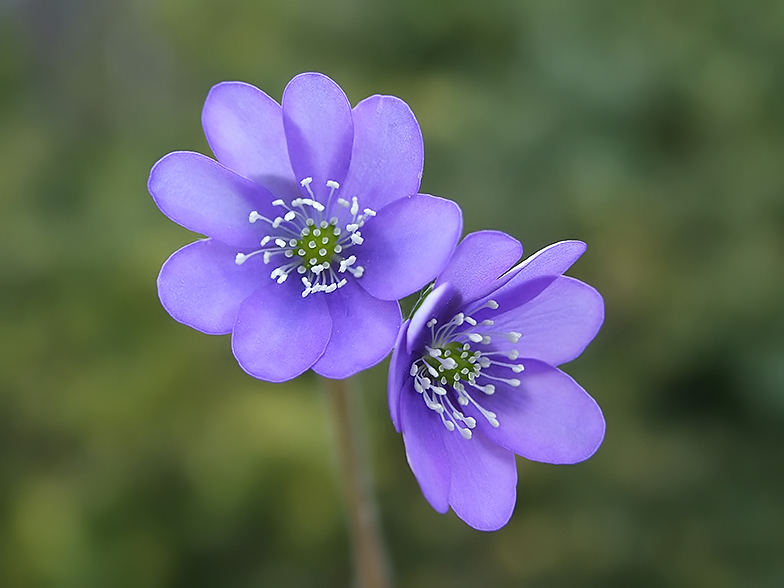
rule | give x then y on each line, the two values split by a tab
278	334
483	483
388	153
202	287
478	263
548	418
556	323
426	450
244	128
364	329
407	243
431	307
205	197
319	128
398	375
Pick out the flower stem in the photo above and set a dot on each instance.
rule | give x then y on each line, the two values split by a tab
369	561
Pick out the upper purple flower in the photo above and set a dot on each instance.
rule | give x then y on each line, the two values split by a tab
314	225
473	380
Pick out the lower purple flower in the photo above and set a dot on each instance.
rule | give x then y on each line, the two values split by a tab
314	225
473	378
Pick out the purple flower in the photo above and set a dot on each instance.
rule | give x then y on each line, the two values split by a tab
314	225
473	380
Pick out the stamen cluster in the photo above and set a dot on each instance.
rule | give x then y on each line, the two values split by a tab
453	364
311	241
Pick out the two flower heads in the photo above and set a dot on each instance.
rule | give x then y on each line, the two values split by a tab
315	228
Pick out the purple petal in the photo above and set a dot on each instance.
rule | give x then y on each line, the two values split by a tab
319	128
244	128
483	487
478	262
407	243
202	287
388	153
556	324
548	418
364	329
553	260
431	307
399	367
278	334
205	197
425	450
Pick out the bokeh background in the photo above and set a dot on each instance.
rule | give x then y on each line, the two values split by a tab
135	453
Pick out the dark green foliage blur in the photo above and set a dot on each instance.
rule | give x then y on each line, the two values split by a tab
134	452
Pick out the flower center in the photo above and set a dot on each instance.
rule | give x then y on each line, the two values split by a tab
459	360
310	238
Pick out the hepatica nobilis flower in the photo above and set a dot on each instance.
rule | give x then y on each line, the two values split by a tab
313	222
473	378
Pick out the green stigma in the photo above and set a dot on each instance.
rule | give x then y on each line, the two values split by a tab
464	362
318	245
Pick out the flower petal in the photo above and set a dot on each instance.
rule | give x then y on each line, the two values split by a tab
483	487
205	197
278	334
425	450
407	243
244	128
430	308
399	367
478	263
548	418
319	128
364	329
553	260
388	153
201	286
556	323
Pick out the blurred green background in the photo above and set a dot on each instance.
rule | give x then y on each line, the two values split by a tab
135	453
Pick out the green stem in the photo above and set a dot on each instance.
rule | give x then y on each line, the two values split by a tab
369	560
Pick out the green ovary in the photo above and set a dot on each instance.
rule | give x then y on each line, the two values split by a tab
318	245
454	350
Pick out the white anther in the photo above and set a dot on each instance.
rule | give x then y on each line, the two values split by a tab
354	206
343	202
280	242
276	222
278	202
290	215
333	184
346	263
431	323
351	227
267	256
356	239
254	216
240	258
475	337
265	240
306	181
470	321
466	433
369	212
513	336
